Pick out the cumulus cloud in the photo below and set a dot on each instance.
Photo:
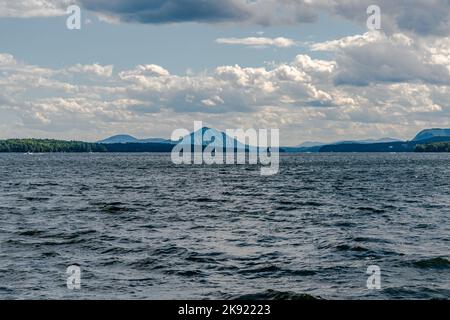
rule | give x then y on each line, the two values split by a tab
259	42
300	97
50	100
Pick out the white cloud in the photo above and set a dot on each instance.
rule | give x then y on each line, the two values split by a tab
33	8
7	60
259	42
350	41
314	66
142	73
95	69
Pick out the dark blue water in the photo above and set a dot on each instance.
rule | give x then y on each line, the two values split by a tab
142	228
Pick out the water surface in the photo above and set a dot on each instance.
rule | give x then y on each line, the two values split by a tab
142	228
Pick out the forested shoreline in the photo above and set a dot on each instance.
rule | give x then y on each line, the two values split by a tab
49	145
55	146
433	147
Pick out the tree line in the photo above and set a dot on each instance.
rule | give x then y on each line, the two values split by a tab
433	147
48	145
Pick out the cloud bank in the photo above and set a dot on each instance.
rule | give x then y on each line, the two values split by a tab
422	17
364	90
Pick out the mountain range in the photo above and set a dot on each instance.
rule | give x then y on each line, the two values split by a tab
425	137
368	145
429	140
194	138
316	146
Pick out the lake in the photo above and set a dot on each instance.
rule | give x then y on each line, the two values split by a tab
140	227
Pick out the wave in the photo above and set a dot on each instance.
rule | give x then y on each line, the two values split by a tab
31	233
371	210
434	263
114	207
276	295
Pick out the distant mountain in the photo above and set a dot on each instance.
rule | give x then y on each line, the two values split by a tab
316	146
369	147
310	144
155	140
432	133
125	138
380	145
122	138
401	146
127	143
220	139
382	140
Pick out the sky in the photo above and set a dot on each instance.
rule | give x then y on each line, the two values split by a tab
310	68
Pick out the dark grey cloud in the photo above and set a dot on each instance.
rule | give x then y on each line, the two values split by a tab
426	17
169	11
263	12
423	17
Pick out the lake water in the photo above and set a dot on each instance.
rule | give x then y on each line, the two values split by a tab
140	227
